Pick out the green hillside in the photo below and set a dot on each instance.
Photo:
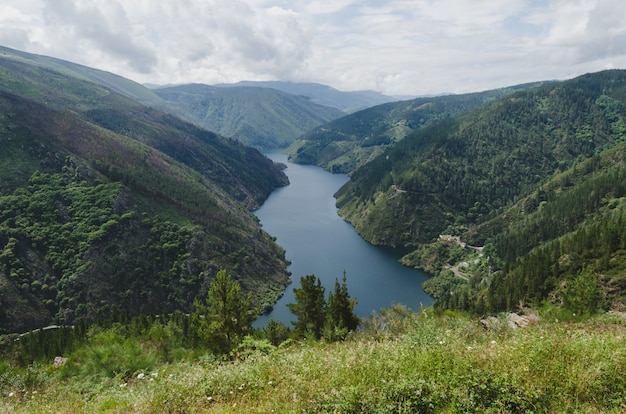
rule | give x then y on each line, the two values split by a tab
108	80
347	143
260	117
400	362
108	206
563	244
536	177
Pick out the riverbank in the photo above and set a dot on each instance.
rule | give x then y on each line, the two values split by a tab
303	218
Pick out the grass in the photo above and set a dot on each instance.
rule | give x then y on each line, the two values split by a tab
400	362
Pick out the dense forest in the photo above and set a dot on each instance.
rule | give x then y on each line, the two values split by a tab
537	178
109	206
350	142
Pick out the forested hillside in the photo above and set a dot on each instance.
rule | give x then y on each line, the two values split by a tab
263	118
108	206
563	243
347	143
537	177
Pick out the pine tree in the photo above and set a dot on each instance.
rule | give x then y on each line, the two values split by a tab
226	317
310	307
340	316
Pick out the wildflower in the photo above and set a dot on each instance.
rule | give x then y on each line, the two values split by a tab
141	375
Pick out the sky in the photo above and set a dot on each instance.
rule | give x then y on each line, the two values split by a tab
397	47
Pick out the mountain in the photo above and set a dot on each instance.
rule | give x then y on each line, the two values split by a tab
108	80
108	206
352	141
537	177
347	102
260	117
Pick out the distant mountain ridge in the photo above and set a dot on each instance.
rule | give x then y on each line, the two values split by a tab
346	101
263	118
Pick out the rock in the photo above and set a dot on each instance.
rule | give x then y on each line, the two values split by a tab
512	320
59	361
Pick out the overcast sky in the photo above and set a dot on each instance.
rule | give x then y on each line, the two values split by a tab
398	47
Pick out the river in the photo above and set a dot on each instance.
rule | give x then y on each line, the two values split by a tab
303	218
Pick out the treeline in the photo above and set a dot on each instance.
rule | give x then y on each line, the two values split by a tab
219	325
581	271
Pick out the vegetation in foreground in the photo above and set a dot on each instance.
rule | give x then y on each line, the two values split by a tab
398	362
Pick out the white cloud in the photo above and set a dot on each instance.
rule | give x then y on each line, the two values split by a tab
396	46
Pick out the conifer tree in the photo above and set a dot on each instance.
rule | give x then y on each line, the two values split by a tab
226	317
340	316
310	307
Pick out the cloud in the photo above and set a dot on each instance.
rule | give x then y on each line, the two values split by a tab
588	31
102	26
396	46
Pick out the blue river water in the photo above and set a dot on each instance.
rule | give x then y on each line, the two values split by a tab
303	218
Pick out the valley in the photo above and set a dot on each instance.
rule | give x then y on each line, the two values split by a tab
147	225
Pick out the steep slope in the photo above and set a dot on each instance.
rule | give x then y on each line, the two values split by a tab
108	80
260	117
565	243
107	206
352	141
459	171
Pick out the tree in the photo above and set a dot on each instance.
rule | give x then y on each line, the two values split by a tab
583	294
310	307
226	317
276	332
340	316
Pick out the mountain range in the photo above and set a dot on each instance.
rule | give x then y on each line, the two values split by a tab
260	117
347	102
114	199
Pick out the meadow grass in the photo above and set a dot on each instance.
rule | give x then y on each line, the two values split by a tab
399	362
